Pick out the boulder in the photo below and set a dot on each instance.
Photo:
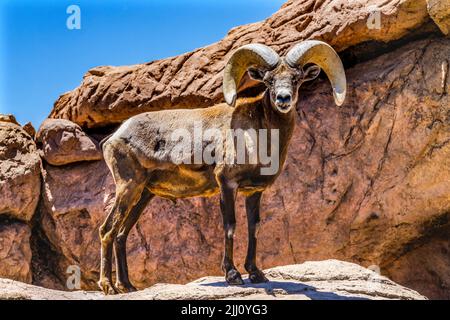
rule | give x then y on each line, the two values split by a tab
367	182
20	184
20	177
319	280
108	95
439	11
15	251
63	142
8	118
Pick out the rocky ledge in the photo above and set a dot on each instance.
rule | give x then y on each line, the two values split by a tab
320	280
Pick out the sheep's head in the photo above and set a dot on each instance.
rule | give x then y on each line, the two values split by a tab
283	76
283	83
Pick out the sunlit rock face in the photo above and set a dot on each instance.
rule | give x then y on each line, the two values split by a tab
367	182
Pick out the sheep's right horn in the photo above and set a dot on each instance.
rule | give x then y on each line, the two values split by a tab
250	55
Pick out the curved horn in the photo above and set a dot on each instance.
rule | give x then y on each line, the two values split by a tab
323	55
256	55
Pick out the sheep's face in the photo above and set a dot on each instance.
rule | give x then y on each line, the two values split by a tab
283	83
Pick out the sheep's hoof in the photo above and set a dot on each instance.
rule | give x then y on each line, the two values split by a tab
234	278
125	288
106	286
257	277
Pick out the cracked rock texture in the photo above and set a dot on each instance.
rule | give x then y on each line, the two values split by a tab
20	179
368	182
111	94
20	184
321	280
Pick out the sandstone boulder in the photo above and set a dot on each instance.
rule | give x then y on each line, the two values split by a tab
439	11
321	280
15	251
20	183
367	182
8	118
64	142
20	178
28	127
109	95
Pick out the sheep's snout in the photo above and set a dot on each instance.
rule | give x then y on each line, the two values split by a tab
283	100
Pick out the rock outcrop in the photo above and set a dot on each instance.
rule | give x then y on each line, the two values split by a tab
322	280
368	182
15	250
63	142
108	95
9	118
20	179
439	11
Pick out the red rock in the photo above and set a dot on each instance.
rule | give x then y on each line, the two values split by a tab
20	177
109	95
28	127
367	183
63	142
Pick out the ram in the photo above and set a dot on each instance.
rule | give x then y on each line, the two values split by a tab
146	160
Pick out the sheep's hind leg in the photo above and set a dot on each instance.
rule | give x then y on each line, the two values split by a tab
127	195
227	199
252	205
123	283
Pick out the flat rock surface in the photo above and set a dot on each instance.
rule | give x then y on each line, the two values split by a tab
323	280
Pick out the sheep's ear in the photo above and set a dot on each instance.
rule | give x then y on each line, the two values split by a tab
311	72
256	74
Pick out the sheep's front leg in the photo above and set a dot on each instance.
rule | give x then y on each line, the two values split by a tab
252	205
227	199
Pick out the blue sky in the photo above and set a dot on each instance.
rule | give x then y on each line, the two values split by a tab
40	58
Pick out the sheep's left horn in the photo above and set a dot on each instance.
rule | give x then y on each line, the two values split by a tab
250	55
323	55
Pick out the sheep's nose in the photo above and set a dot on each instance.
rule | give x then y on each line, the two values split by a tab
283	98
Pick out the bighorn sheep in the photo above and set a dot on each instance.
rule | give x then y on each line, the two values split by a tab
138	153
